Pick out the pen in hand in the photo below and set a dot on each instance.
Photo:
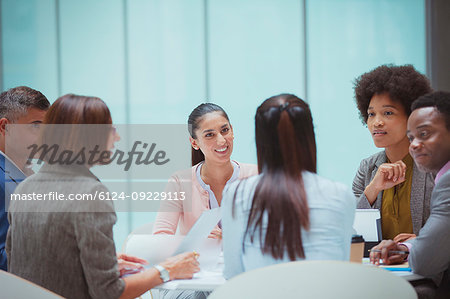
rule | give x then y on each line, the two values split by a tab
390	251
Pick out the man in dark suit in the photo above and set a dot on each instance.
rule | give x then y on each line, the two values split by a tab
18	106
429	253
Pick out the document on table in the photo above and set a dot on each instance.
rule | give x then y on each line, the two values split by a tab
205	280
157	248
402	270
202	281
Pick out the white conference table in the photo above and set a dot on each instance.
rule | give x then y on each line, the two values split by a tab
397	270
205	280
202	281
209	280
211	262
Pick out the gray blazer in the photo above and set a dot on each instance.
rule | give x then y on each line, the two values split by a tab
422	186
430	251
64	246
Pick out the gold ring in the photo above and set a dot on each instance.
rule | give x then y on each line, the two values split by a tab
196	255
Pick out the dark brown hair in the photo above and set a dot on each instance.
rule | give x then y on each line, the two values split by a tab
404	84
286	146
69	124
194	120
75	109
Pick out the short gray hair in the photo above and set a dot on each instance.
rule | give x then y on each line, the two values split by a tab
16	101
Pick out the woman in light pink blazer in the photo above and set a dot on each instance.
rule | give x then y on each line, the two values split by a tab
211	137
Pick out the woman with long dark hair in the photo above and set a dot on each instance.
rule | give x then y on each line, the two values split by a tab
211	137
287	212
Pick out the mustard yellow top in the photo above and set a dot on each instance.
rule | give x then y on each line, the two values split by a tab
395	207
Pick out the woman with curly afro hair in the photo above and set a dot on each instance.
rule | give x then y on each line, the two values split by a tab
390	180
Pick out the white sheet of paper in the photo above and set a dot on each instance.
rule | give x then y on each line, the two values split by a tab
200	230
365	224
157	248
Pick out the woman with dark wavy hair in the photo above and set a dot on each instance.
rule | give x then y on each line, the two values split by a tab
287	212
390	180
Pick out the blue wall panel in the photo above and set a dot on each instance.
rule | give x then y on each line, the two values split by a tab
344	40
255	51
29	48
166	59
92	51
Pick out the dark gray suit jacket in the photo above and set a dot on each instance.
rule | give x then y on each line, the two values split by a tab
422	186
430	251
64	246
